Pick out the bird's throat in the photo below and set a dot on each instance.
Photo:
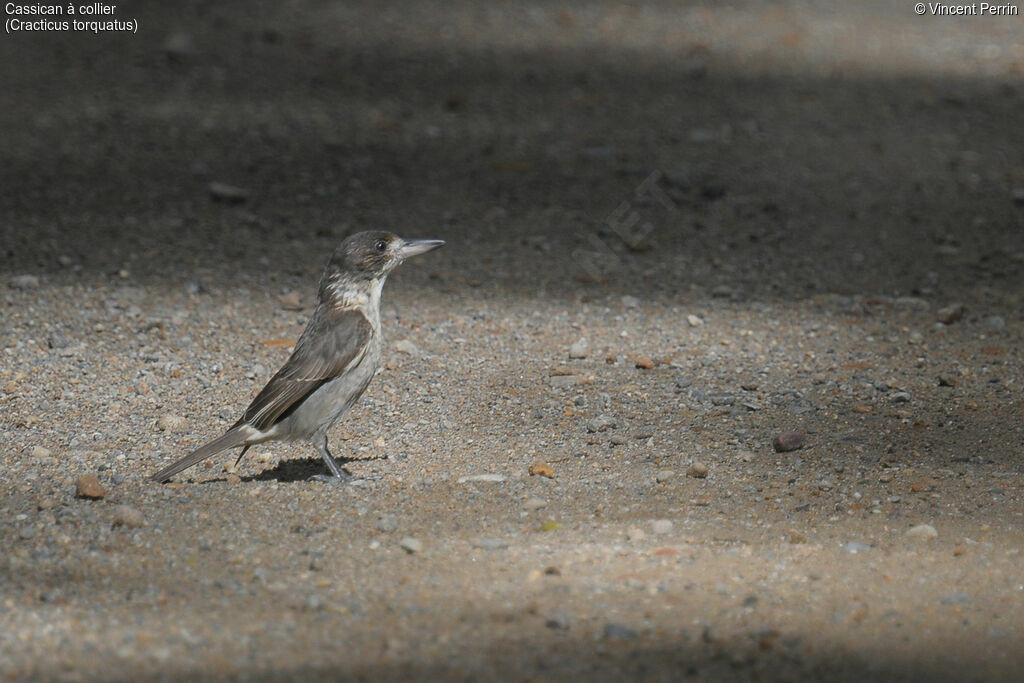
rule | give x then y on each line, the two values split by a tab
362	296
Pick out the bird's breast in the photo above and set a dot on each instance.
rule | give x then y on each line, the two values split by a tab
335	397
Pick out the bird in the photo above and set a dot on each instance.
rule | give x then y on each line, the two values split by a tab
333	361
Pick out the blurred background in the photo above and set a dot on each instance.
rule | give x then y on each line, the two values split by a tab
767	149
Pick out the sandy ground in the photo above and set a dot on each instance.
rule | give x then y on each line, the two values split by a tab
747	219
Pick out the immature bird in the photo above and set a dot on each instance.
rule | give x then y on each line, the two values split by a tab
333	361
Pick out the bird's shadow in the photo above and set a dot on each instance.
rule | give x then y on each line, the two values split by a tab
301	469
287	471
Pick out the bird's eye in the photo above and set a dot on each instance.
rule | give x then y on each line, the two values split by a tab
381	245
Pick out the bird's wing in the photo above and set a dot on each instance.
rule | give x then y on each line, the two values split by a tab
333	341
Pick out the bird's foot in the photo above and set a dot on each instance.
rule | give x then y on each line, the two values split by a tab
342	478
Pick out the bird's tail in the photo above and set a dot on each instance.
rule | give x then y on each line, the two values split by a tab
233	437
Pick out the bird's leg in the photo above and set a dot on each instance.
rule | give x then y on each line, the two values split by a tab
338	475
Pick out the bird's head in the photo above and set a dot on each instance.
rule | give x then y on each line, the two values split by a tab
366	258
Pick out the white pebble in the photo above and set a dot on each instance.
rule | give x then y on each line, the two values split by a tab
126	515
662	526
922	532
531	504
406	346
481	477
411	545
578	349
172	423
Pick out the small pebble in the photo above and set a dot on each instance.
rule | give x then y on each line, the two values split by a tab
645	363
855	547
490	544
788	441
662	526
558	620
956	599
541	469
27	532
922	532
488	477
602	423
411	545
223	192
618	440
127	516
630	301
172	423
531	504
911	303
664	475
697	470
948	315
694	321
995	322
40	453
644	433
196	286
900	397
578	349
387	523
57	341
407	347
88	486
291	301
23	282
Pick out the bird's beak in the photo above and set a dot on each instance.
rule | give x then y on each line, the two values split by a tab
417	247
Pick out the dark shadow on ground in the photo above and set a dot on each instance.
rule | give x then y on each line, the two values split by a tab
530	163
298	469
535	649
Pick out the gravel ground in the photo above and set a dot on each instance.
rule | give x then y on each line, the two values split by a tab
717	378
